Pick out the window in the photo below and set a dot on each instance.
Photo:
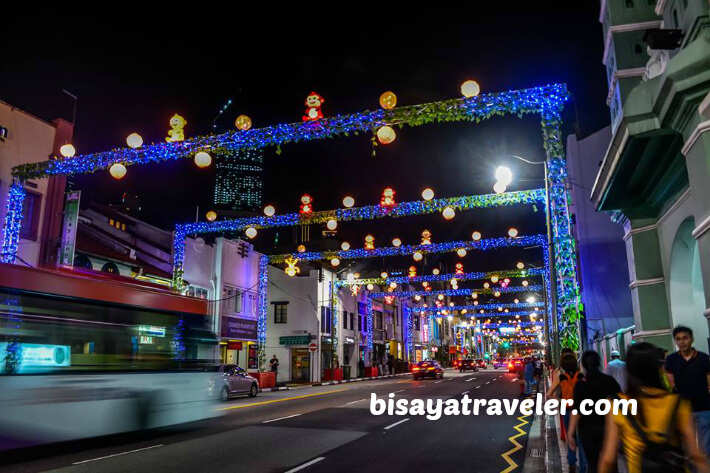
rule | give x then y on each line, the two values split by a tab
110	268
82	261
638	49
352	321
280	312
629	3
345	319
232	300
197	292
378	320
417	322
31	210
325	320
361	322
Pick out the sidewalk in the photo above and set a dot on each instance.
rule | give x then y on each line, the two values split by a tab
329	383
545	451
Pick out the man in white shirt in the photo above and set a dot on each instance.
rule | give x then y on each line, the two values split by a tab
617	369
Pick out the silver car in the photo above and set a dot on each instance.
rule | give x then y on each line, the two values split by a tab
231	380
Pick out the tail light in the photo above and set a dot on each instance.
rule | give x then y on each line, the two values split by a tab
416	368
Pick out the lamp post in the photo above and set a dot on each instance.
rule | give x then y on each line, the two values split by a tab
551	264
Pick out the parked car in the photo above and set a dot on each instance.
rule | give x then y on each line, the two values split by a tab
481	364
466	365
230	381
500	363
427	369
514	365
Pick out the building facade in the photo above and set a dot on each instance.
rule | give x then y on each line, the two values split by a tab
655	176
25	138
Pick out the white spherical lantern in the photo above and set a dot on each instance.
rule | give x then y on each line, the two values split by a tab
348	201
396	242
134	140
435	271
520	265
384	275
427	194
440	297
332	224
393	285
417	298
67	150
417	256
476	236
345	246
525	283
499	187
117	171
513	232
335	262
448	213
494	279
504	175
250	232
386	135
470	88
461	252
269	210
203	159
370	287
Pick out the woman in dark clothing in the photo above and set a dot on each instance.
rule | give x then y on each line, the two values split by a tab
594	386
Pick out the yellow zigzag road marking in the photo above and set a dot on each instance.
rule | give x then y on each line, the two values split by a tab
511	464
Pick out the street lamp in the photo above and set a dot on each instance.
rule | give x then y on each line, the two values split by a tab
550	251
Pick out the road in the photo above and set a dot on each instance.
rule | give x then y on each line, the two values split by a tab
313	429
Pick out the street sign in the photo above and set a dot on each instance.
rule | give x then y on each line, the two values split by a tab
294	340
312	347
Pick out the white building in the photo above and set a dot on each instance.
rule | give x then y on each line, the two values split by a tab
25	138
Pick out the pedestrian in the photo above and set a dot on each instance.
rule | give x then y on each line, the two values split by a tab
361	368
521	378
274	364
617	369
688	372
565	382
529	375
594	386
661	435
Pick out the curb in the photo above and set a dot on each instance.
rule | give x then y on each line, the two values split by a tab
330	383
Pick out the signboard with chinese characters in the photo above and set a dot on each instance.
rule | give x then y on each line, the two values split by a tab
69	227
295	340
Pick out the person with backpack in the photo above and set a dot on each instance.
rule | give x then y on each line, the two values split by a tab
590	428
660	438
565	382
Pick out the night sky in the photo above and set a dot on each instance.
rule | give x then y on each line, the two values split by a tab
135	65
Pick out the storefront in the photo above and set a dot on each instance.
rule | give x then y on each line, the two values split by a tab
299	355
238	342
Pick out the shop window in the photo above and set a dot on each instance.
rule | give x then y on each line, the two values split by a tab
378	320
31	209
197	292
417	322
110	268
280	312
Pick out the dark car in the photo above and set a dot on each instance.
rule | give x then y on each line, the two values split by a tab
467	365
500	363
481	364
231	380
427	369
514	365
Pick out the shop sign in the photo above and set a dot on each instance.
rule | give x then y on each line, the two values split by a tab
349	340
295	340
151	330
34	358
235	327
234	346
324	339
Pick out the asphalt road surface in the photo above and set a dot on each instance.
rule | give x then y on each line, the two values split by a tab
313	429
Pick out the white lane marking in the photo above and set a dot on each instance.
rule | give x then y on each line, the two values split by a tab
353	402
465	392
450	379
513	380
395	392
306	465
470	379
117	454
438	382
280	418
488	382
477	387
396	423
421	386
